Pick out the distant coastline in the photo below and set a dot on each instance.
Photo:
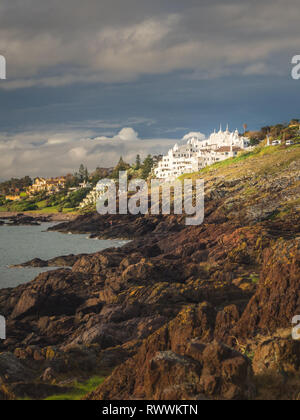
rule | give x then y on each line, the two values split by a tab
52	217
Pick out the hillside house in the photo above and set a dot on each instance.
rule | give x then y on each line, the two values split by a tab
51	186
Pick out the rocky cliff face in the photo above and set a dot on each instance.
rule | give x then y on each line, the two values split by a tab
180	312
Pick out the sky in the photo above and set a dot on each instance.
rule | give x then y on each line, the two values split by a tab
90	81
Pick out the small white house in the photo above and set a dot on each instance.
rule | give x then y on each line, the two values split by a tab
85	185
276	142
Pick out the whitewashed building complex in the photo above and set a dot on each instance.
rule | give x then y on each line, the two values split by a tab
200	152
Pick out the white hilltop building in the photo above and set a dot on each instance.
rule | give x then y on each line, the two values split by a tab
197	153
200	152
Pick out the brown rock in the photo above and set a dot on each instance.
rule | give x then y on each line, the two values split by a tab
12	370
48	375
277	355
277	299
226	320
172	363
171	376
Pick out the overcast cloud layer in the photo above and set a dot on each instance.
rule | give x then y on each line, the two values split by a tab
60	52
119	40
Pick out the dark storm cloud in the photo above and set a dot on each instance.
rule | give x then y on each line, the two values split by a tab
63	42
80	71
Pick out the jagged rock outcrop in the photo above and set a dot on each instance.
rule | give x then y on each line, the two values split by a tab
180	361
121	226
277	355
277	299
63	261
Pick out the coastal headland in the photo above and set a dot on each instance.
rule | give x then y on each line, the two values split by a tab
179	312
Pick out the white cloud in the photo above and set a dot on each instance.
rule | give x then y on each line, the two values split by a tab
198	135
126	134
49	153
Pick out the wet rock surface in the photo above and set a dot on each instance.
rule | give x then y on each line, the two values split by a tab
22	219
28	218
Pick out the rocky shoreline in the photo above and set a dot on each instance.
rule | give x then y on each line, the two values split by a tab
63	261
33	219
179	312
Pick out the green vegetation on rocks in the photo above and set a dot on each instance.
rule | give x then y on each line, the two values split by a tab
78	390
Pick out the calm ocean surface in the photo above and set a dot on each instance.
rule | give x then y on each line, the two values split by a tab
19	244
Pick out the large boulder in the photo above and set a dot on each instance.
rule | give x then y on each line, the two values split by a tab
277	355
277	299
171	376
226	373
52	293
12	370
219	373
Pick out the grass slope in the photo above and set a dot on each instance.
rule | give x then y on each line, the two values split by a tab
261	161
79	390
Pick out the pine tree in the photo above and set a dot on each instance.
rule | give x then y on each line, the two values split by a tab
81	173
147	167
121	166
138	162
86	175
